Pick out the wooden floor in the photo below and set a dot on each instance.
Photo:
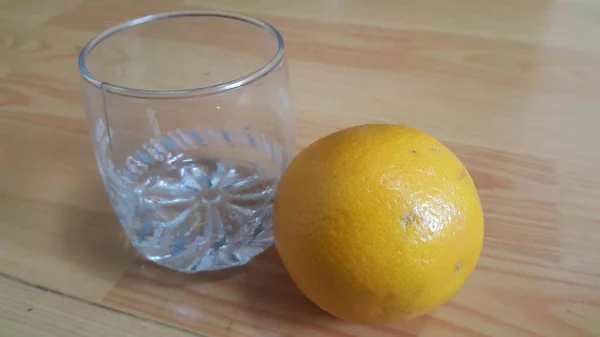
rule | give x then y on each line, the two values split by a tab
513	87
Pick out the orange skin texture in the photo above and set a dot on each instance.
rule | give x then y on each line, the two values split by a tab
378	223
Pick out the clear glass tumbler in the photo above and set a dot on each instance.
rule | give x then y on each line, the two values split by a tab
192	130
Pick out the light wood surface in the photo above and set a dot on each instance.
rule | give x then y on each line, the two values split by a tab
32	311
513	87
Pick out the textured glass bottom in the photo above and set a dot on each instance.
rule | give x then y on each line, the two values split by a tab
187	200
198	214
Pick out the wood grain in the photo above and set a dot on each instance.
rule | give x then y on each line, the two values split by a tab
511	86
28	310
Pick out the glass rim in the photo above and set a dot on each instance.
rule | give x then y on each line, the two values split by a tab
265	69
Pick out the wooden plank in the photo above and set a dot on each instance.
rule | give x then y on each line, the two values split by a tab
34	311
56	219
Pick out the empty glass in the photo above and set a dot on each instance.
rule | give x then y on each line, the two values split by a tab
192	129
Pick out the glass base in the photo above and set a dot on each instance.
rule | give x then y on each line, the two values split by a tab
213	260
197	214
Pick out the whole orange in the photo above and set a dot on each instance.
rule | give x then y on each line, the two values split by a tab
378	223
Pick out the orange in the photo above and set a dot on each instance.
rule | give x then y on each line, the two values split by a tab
378	223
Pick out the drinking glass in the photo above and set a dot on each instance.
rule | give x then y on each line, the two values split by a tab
192	129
